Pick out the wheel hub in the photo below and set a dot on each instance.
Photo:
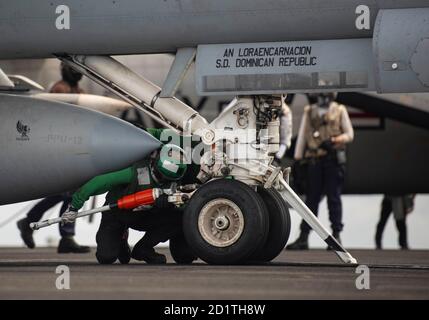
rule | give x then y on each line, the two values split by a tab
221	222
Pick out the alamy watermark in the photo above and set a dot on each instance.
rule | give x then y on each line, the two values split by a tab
362	282
62	21
363	19
62	281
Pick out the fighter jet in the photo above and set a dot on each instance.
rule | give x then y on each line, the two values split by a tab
242	48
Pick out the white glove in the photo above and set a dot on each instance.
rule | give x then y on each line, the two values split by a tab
282	150
69	216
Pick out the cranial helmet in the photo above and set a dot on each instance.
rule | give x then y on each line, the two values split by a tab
70	75
170	163
321	99
325	99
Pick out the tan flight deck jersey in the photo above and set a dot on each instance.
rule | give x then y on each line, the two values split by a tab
316	128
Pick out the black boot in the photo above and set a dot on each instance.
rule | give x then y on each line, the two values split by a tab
378	245
378	235
336	235
402	229
301	243
26	233
148	255
144	251
124	256
69	245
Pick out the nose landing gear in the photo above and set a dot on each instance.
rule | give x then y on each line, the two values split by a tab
225	222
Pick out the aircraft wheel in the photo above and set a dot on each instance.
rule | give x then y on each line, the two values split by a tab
181	251
279	229
225	222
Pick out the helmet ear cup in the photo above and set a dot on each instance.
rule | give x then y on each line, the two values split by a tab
170	163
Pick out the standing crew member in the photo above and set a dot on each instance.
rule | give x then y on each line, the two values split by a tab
161	222
324	132
68	84
400	206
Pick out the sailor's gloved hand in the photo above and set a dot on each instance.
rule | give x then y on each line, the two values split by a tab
162	202
327	145
339	140
281	153
69	216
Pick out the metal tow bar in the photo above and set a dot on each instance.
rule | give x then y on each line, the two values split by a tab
46	223
129	202
295	201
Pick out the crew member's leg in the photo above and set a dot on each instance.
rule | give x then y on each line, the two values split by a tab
160	226
402	229
124	256
37	212
333	177
34	215
67	243
66	229
313	196
386	209
399	212
314	190
110	236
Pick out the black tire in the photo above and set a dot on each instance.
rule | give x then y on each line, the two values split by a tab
279	229
181	251
253	223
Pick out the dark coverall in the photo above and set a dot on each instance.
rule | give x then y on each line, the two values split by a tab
37	212
321	141
160	225
325	176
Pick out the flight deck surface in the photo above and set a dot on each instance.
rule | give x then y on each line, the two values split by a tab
313	274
